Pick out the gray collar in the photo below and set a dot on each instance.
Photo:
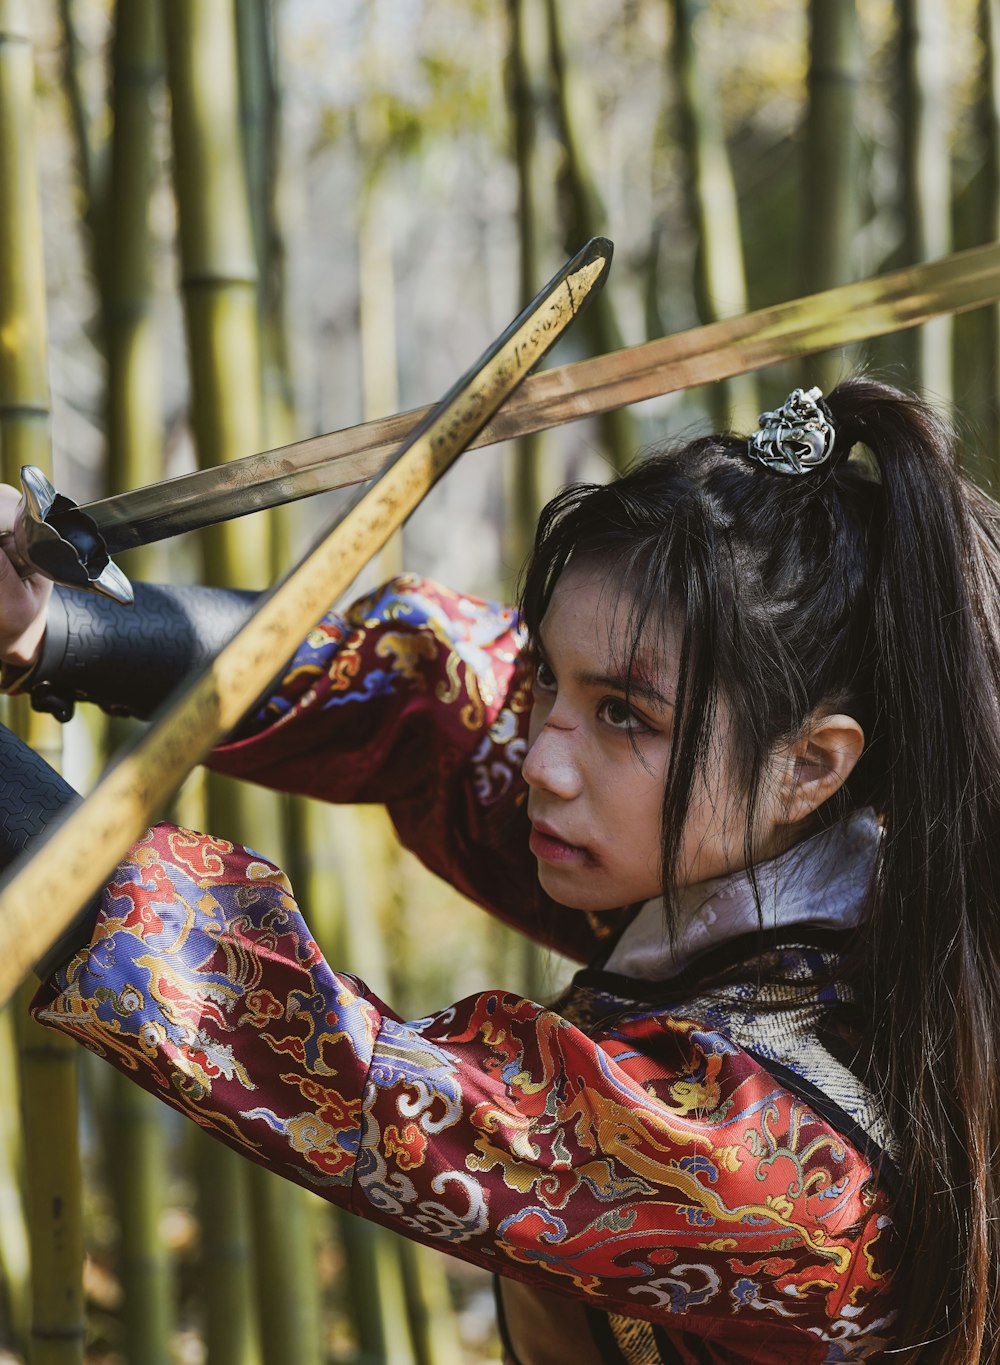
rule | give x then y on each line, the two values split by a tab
823	881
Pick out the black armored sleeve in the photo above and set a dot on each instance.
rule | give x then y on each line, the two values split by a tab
33	797
129	659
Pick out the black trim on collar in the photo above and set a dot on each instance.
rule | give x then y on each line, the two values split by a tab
715	961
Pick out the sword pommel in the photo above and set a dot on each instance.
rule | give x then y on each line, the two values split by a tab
53	537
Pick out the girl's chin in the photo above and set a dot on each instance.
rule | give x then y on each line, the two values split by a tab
573	892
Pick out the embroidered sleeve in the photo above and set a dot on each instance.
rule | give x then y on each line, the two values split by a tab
418	697
650	1169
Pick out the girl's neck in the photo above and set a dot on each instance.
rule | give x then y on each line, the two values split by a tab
823	881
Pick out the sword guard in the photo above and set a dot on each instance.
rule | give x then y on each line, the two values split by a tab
54	538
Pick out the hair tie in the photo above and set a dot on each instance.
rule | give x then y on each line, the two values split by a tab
795	439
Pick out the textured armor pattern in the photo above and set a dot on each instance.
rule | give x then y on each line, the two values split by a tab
129	659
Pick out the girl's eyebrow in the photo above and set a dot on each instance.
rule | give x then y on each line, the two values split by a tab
616	679
636	686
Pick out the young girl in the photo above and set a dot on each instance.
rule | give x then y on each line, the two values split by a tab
740	757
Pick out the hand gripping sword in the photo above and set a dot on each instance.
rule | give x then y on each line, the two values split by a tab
74	545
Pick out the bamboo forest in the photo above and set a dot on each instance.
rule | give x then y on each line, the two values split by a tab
231	225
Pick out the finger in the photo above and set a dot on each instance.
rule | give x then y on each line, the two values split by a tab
7	571
9	501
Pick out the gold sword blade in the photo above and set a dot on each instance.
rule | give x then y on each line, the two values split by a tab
804	326
63	870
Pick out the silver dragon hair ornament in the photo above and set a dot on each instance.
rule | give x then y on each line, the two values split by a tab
795	439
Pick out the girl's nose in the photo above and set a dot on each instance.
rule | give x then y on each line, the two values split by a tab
552	762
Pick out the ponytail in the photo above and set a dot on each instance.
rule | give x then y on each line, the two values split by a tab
928	966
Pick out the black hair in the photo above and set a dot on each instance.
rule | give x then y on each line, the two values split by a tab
869	586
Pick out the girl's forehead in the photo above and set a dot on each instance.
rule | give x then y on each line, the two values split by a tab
592	610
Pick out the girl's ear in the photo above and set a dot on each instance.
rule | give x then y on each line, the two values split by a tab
818	764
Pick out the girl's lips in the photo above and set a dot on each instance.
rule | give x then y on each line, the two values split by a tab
551	849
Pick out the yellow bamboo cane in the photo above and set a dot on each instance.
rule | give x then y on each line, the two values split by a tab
24	385
15	1252
48	1069
720	278
582	205
832	148
926	79
219	280
137	1155
287	1290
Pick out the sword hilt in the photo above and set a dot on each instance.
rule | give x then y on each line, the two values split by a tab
51	536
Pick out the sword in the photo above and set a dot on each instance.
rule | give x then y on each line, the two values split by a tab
60	872
74	545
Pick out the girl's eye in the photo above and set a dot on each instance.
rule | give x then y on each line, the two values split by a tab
545	679
619	715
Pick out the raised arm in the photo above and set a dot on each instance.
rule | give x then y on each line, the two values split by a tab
415	697
646	1166
126	659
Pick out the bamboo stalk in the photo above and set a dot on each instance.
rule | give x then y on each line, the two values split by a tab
831	144
219	268
90	156
924	54
260	114
255	94
586	216
24	388
219	286
134	421
15	1250
526	476
23	380
138	1156
232	1333
137	1150
830	189
285	1266
433	1324
978	340
720	280
49	1073
48	1070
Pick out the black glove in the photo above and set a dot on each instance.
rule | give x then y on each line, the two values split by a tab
32	797
129	659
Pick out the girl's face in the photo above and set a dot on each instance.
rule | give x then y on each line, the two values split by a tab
596	766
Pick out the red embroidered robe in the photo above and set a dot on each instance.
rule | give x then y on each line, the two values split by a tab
622	1150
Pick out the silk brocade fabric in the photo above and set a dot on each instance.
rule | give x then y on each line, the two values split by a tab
652	1155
